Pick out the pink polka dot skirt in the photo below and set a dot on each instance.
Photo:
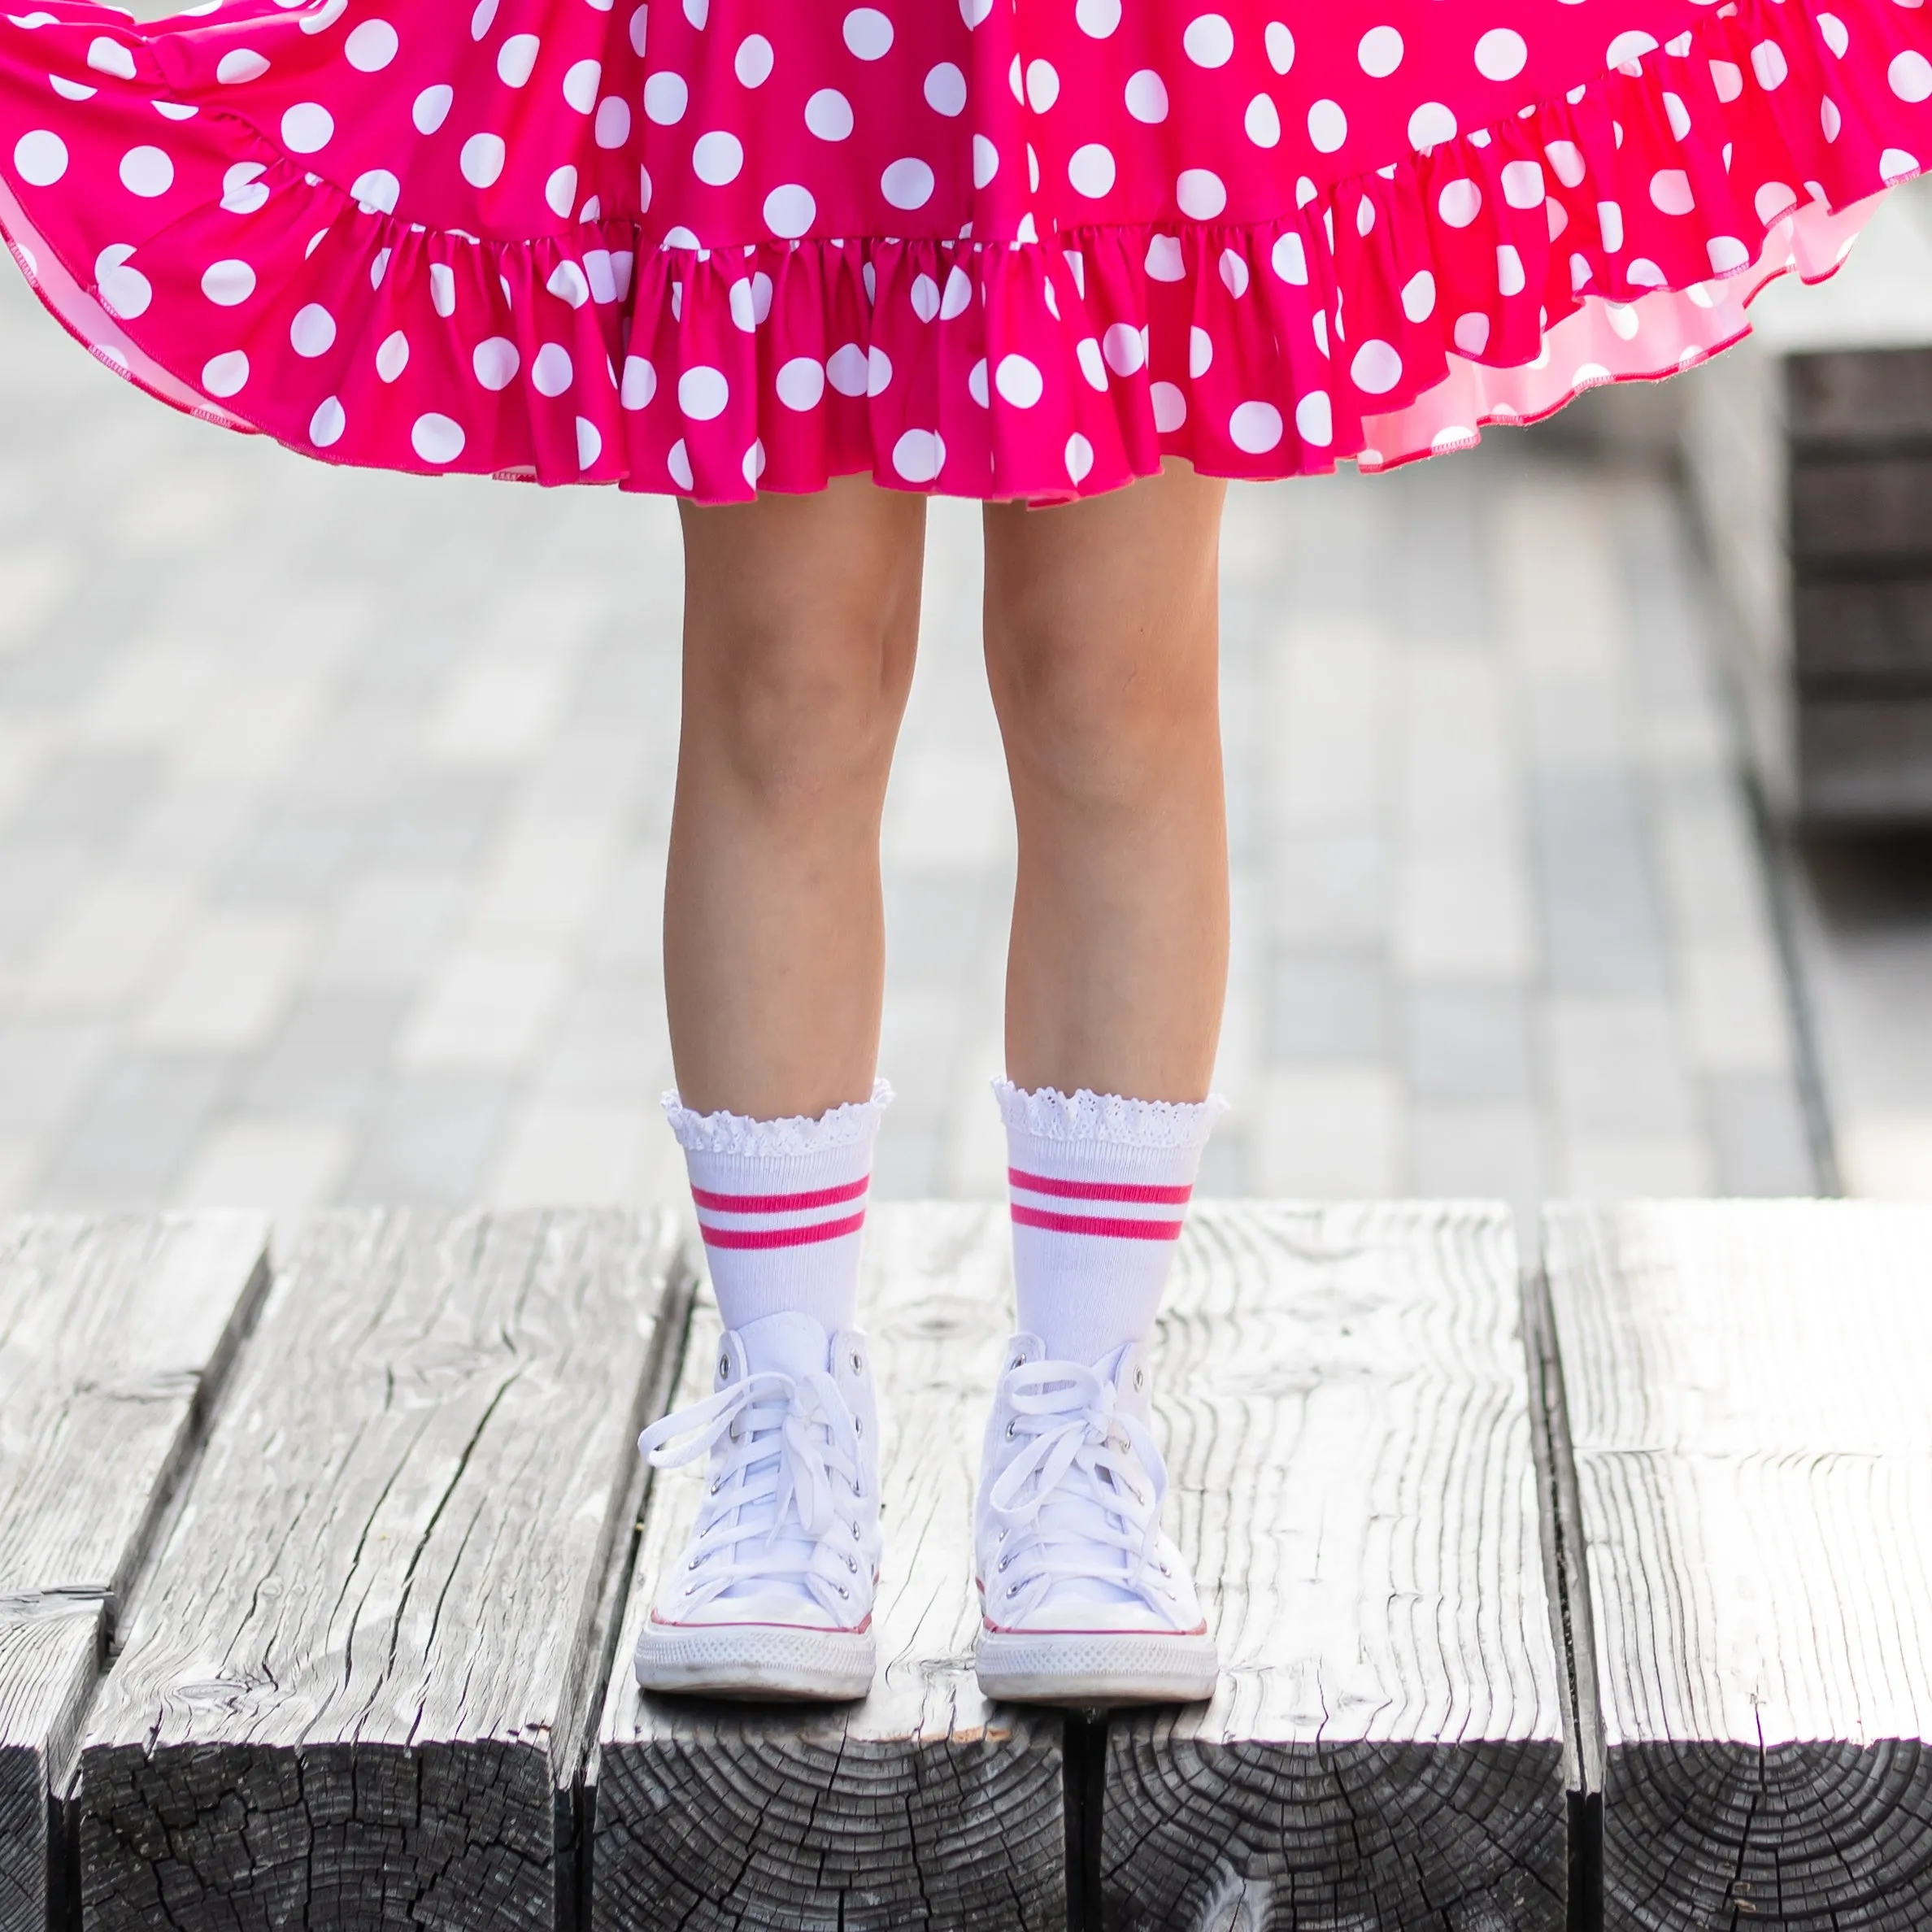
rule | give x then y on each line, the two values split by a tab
995	248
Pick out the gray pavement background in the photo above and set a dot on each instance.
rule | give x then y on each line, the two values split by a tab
332	809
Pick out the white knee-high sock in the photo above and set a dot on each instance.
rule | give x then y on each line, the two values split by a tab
1099	1186
780	1205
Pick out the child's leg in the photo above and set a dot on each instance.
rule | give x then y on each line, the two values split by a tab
801	620
1100	645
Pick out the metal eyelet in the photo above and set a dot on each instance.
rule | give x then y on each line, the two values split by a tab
1140	1379
717	1483
858	1425
843	1592
1003	1561
1009	1432
855	1537
692	1565
852	1564
724	1364
858	1363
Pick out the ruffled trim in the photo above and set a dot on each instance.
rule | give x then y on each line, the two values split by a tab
1048	1114
1613	232
853	1125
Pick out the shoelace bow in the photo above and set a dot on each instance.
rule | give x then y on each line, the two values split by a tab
1093	1465
796	1434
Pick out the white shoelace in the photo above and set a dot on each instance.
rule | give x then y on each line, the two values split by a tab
772	1514
1081	1500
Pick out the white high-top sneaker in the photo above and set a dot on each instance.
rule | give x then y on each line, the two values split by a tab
772	1595
1082	1599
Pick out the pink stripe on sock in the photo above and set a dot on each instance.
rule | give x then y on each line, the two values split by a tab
1124	1191
781	1203
1092	1224
782	1238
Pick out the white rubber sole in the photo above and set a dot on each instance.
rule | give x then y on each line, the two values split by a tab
1096	1666
756	1660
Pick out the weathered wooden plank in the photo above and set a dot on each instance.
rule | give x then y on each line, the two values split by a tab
1861	510
1748	1400
1869	637
114	1336
1872	399
1866	760
358	1683
1344	1396
921	1807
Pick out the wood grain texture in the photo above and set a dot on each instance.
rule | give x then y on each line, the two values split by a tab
1747	1398
920	1806
1852	510
1865	636
357	1684
1860	399
1344	1397
115	1334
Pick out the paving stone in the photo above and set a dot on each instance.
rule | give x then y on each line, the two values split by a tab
1467	1044
1474	1151
1323	1007
127	1140
1758	1135
1617	1071
230	983
489	1005
263	1162
329	1057
1330	1132
432	1139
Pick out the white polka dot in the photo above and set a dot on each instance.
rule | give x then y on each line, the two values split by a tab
553	371
1460	202
78	90
228	283
481	159
125	292
1910	74
225	375
370	47
1677	115
1280	43
1523	185
1091	169
639	382
1610	226
790	211
378	190
925	296
1896	164
1364	216
1290	259
1510	278
1627	48
147	171
1644	273
1773	200
1080	457
590	442
483	19
801	382
1125	347
677	460
973	12
239	66
432	108
313	330
957	296
1262	123
1097	19
106	56
1727	77
1201	194
1501	54
1670	192
328	422
1430	125
436	439
379	267
946	90
1043	85
1165	262
40	157
907	183
829	114
1209	41
567	282
1314	419
1233	272
1458	436
1768	63
1200	352
1566	159
581	80
754	60
1419	296
1380	52
1837	38
516	59
918	455
846	369
392	358
868	33
1147	97
1328	126
1830	119
307	127
1727	253
1472	333
1019	381
1170	407
665	98
1256	427
559	191
717	158
613	124
1377	368
1623	319
1086	352
640	29
324	16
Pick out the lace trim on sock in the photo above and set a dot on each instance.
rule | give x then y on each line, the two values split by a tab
1088	1116
737	1133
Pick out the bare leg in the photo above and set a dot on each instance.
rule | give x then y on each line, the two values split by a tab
801	622
1101	628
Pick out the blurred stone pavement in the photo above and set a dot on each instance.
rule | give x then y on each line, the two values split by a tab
332	809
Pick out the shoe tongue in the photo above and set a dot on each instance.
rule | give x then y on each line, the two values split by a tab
786	1344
